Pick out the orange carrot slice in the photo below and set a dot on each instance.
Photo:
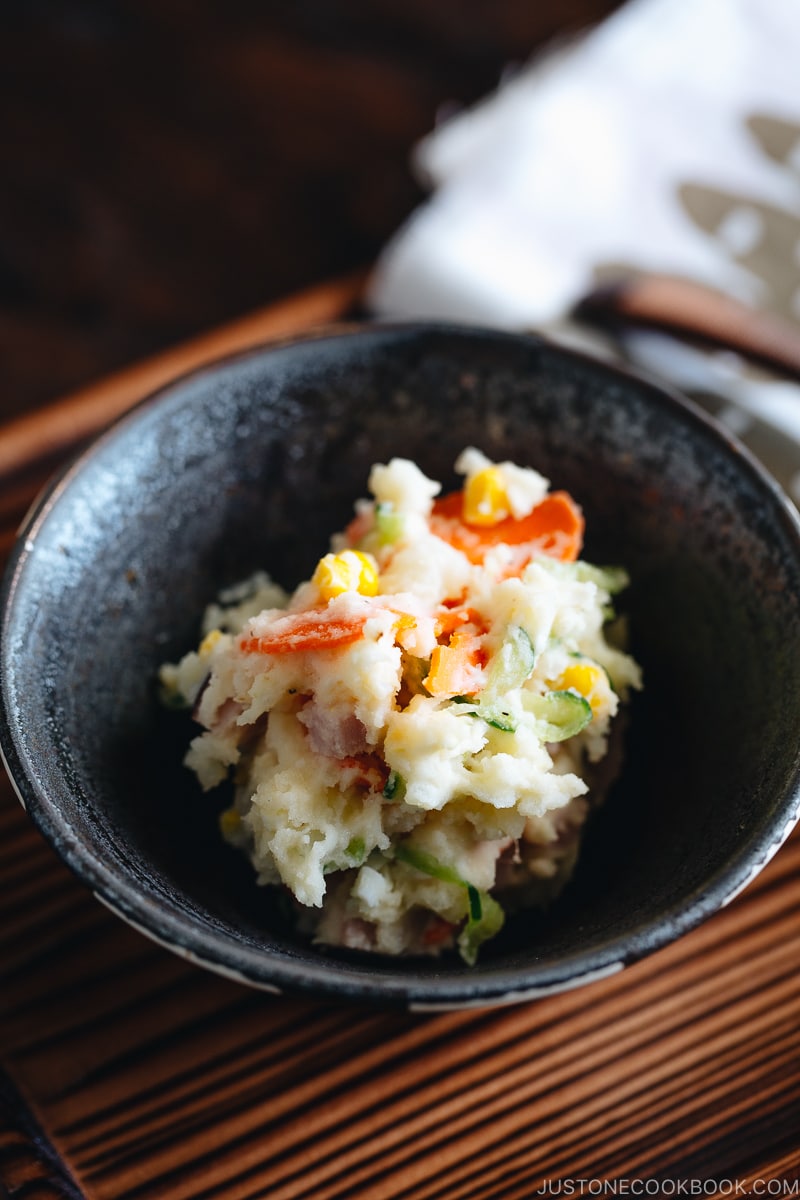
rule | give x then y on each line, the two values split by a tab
448	619
555	527
312	630
456	668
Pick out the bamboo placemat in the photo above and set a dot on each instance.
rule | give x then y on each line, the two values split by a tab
126	1073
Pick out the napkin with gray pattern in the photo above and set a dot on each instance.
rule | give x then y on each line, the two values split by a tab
666	140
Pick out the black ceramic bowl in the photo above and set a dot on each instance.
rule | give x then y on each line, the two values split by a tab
251	464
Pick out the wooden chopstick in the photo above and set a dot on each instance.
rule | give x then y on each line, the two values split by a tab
50	432
694	310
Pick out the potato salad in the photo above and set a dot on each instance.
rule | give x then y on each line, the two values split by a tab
411	741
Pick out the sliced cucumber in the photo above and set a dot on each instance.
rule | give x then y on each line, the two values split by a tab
491	714
479	929
395	787
498	719
510	666
560	714
354	854
428	864
389	524
485	917
356	850
610	579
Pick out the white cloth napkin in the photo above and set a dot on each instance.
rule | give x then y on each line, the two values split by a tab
667	139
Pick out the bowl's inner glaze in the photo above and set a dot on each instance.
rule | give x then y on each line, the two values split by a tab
252	465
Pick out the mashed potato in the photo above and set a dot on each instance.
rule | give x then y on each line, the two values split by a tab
413	733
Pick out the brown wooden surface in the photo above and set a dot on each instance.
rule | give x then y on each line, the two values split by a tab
126	1073
164	167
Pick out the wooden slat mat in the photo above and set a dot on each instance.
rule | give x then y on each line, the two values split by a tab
126	1073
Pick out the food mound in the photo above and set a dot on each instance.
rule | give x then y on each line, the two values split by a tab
413	734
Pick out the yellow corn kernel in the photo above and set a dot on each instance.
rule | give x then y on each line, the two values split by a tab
485	499
350	571
230	822
209	642
586	679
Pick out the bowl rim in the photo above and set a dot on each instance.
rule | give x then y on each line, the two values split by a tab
434	989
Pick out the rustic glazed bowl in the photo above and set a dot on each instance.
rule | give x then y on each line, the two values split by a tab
251	464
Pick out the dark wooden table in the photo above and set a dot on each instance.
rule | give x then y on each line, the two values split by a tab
163	172
168	165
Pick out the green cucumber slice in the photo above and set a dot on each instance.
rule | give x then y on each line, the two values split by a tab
485	917
428	864
610	579
510	666
389	525
479	930
560	714
395	787
491	714
356	850
498	719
